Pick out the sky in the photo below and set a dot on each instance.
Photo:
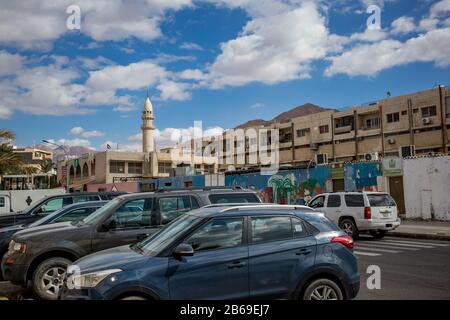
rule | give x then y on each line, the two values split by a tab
78	72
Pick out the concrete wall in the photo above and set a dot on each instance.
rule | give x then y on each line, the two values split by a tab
426	183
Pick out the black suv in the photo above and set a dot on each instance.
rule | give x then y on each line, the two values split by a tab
42	254
52	203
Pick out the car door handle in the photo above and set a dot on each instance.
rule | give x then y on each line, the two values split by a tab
236	264
303	252
142	236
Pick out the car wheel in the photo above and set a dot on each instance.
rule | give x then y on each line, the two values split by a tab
349	227
377	234
133	298
49	277
323	289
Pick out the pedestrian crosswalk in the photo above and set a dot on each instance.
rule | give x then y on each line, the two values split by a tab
390	245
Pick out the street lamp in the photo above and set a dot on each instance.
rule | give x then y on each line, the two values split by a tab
66	158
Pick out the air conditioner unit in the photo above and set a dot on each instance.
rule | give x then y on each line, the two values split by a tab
314	146
407	151
427	121
374	156
322	158
391	141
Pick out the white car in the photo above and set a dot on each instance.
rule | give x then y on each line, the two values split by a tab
355	212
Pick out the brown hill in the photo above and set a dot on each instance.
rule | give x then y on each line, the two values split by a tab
303	110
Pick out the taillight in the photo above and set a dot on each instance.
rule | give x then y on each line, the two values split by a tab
345	240
367	213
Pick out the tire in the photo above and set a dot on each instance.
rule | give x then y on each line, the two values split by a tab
48	278
133	298
349	227
323	289
378	234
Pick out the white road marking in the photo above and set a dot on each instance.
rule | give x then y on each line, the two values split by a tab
385	245
420	243
370	254
376	249
407	245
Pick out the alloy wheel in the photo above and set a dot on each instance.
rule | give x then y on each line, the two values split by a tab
53	279
324	292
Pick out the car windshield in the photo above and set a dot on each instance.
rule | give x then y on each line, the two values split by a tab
46	218
98	215
380	200
158	242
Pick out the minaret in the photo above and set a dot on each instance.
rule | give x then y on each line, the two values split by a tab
147	127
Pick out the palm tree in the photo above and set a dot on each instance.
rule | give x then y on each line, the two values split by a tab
8	158
6	135
46	166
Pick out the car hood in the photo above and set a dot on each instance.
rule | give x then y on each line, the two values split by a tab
55	228
13	228
123	258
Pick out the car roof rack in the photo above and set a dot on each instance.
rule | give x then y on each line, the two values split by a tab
199	189
265	206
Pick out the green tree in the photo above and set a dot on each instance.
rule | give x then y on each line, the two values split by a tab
9	160
46	166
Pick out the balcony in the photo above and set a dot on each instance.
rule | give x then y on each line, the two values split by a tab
344	129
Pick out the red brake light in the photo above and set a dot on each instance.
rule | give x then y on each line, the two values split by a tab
367	213
345	240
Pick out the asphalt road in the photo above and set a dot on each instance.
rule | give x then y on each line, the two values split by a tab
409	269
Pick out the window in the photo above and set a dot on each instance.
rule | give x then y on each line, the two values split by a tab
317	202
404	113
354	200
75	215
233	198
299	228
428	111
323	129
135	167
393	117
164	167
117	167
173	207
301	132
219	233
447	107
334	201
373	123
133	214
51	205
266	229
380	200
2	202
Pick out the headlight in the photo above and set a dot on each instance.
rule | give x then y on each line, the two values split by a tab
17	247
90	280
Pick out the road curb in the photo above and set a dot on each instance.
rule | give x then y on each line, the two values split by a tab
444	237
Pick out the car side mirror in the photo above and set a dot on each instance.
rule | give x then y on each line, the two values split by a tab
183	250
108	225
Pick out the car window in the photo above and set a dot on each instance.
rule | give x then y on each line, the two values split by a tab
354	200
194	203
299	228
218	233
317	202
266	229
173	207
380	200
78	199
133	214
233	198
75	215
51	205
334	201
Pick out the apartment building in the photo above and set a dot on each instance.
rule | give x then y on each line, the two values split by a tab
406	125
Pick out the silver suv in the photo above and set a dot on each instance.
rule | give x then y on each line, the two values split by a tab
355	212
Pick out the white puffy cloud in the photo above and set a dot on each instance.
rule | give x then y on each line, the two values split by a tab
72	142
79	131
440	7
171	90
35	23
10	63
403	25
191	46
369	59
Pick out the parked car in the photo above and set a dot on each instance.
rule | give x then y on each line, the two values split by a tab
72	212
52	203
355	212
237	252
36	253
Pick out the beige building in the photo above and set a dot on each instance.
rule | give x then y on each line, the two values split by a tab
407	125
120	166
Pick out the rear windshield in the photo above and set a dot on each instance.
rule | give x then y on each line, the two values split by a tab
319	221
380	200
234	198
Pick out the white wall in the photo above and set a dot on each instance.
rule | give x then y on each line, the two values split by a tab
426	183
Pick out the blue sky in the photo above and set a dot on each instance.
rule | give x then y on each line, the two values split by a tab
219	61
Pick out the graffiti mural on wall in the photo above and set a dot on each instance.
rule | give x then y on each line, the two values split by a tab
285	187
362	176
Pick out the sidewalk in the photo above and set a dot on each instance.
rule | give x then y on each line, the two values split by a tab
423	230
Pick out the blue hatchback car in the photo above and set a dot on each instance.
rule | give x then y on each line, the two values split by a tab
236	252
